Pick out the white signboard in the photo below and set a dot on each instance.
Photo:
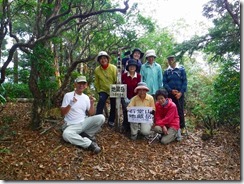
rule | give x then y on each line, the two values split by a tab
118	90
140	115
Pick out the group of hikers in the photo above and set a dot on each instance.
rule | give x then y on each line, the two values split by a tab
147	86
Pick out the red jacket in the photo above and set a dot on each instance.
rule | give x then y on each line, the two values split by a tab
167	115
131	83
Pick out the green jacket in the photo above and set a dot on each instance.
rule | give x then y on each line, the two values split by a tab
103	78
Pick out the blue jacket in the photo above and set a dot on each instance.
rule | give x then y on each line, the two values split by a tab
152	76
175	79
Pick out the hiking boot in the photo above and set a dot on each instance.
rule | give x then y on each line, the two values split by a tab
151	135
133	137
183	131
94	148
84	134
178	136
125	129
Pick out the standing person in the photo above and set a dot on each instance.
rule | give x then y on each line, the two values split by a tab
137	55
131	78
167	122
105	74
79	129
175	82
142	99
151	73
125	60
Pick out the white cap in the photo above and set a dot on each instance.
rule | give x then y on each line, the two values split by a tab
102	53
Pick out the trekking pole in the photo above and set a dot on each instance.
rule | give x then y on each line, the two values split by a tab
155	137
187	135
118	98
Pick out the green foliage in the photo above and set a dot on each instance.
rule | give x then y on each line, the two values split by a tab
161	41
216	98
80	39
226	99
43	59
147	23
23	75
2	96
25	19
17	90
223	38
226	38
4	150
199	88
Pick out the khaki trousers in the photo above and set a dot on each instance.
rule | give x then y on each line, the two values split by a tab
91	125
172	134
144	128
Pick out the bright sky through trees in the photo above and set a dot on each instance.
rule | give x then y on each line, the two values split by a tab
168	12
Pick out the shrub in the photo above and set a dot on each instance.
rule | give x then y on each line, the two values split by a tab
17	91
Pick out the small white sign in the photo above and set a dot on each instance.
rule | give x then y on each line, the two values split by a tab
140	115
118	90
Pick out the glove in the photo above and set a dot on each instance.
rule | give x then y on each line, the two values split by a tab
72	102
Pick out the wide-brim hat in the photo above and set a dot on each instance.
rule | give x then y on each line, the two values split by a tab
131	62
151	53
141	85
102	53
139	50
81	79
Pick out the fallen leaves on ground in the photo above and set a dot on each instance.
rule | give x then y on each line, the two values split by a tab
43	155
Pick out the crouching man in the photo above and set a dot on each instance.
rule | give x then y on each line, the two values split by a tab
78	129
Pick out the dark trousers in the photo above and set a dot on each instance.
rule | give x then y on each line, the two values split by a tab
125	124
101	103
180	107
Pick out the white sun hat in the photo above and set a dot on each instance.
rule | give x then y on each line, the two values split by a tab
151	52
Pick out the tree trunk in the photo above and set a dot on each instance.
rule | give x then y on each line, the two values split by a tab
38	101
38	93
37	111
16	63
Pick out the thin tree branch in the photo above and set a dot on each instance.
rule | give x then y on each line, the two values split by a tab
234	17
